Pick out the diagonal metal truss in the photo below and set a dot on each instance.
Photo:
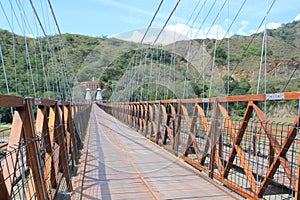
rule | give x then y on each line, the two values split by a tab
42	144
248	155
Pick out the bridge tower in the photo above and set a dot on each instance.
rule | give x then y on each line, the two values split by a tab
91	88
88	95
99	95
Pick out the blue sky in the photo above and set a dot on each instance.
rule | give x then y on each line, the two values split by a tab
110	17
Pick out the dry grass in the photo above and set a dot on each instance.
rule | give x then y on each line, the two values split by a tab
282	120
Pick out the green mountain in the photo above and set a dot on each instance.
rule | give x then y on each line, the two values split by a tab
129	71
289	33
109	60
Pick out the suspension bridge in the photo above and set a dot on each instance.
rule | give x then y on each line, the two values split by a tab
155	137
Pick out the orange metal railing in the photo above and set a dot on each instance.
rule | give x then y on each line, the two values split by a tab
251	156
44	139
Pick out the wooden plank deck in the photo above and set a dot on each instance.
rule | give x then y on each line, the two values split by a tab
119	163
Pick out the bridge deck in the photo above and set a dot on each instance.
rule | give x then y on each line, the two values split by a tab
122	164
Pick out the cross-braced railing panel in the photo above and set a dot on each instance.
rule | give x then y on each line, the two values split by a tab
250	155
43	142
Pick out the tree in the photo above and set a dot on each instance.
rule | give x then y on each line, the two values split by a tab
237	87
221	55
199	88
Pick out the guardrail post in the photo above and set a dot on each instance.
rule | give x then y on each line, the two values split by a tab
59	136
11	158
168	112
271	155
32	151
158	132
142	117
73	138
50	168
135	116
177	129
3	188
151	119
131	115
214	134
297	185
146	115
138	116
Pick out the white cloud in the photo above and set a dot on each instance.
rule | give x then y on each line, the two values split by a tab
215	31
179	28
297	18
272	25
29	35
166	37
136	36
241	30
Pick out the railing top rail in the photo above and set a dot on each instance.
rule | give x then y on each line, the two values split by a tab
239	98
19	101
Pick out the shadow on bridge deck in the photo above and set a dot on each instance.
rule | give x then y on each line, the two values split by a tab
119	163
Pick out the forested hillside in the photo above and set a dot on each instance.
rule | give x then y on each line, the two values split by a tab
108	59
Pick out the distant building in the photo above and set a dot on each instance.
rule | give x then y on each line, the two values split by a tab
92	85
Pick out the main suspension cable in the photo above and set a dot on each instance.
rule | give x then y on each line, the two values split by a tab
175	7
